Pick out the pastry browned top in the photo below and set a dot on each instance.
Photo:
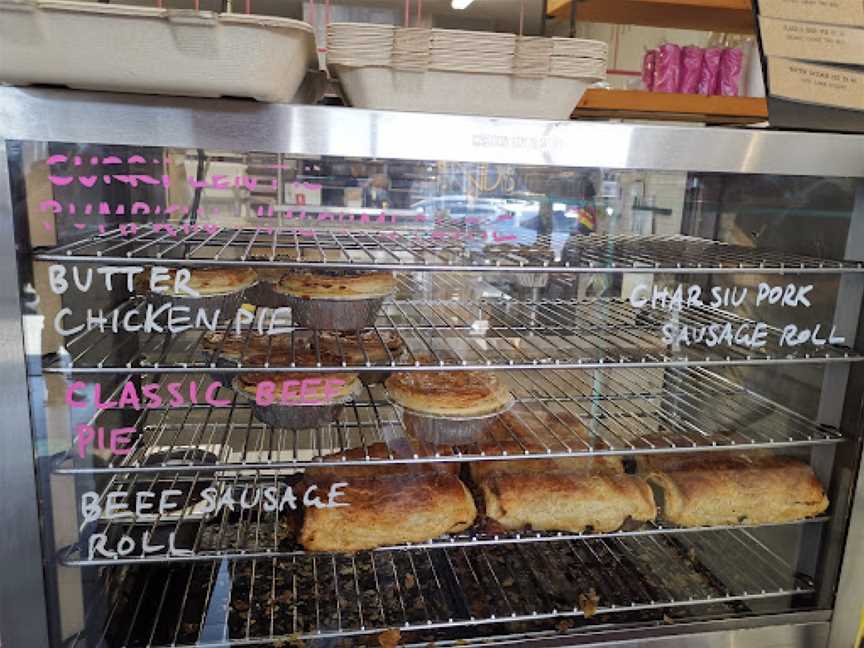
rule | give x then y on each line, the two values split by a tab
387	510
731	489
347	286
214	281
234	346
449	393
373	346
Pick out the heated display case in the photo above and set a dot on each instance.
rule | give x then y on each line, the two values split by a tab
671	317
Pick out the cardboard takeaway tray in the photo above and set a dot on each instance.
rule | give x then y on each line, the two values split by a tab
496	95
123	48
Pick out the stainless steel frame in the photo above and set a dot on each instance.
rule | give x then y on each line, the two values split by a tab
23	612
65	116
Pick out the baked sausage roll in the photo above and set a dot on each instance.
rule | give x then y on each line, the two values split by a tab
383	511
734	490
566	501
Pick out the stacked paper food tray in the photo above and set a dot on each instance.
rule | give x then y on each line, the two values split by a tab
96	46
465	72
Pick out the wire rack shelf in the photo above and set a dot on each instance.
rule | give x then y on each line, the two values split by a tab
433	590
442	334
561	412
431	247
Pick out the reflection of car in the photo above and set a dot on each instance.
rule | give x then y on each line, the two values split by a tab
459	208
479	211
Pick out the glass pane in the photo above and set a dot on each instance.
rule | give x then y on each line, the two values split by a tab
285	399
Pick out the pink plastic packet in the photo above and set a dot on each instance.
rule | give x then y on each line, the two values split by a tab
649	62
691	69
667	72
709	80
730	71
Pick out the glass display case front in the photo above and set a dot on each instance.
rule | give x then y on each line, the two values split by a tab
284	398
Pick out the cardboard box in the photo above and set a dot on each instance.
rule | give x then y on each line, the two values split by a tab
835	12
824	85
812	41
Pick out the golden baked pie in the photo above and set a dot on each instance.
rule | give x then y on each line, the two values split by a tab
739	489
346	286
213	281
386	511
449	393
566	501
370	346
233	346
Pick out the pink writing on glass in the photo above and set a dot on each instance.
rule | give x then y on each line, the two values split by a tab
148	396
117	441
108	160
90	181
226	182
313	391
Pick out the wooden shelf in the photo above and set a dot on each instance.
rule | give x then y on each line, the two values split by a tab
638	104
734	16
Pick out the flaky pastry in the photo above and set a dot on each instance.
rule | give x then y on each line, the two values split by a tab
346	287
449	393
566	501
371	346
214	281
757	490
385	511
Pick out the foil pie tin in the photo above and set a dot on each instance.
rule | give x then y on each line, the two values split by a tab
334	314
446	430
296	417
